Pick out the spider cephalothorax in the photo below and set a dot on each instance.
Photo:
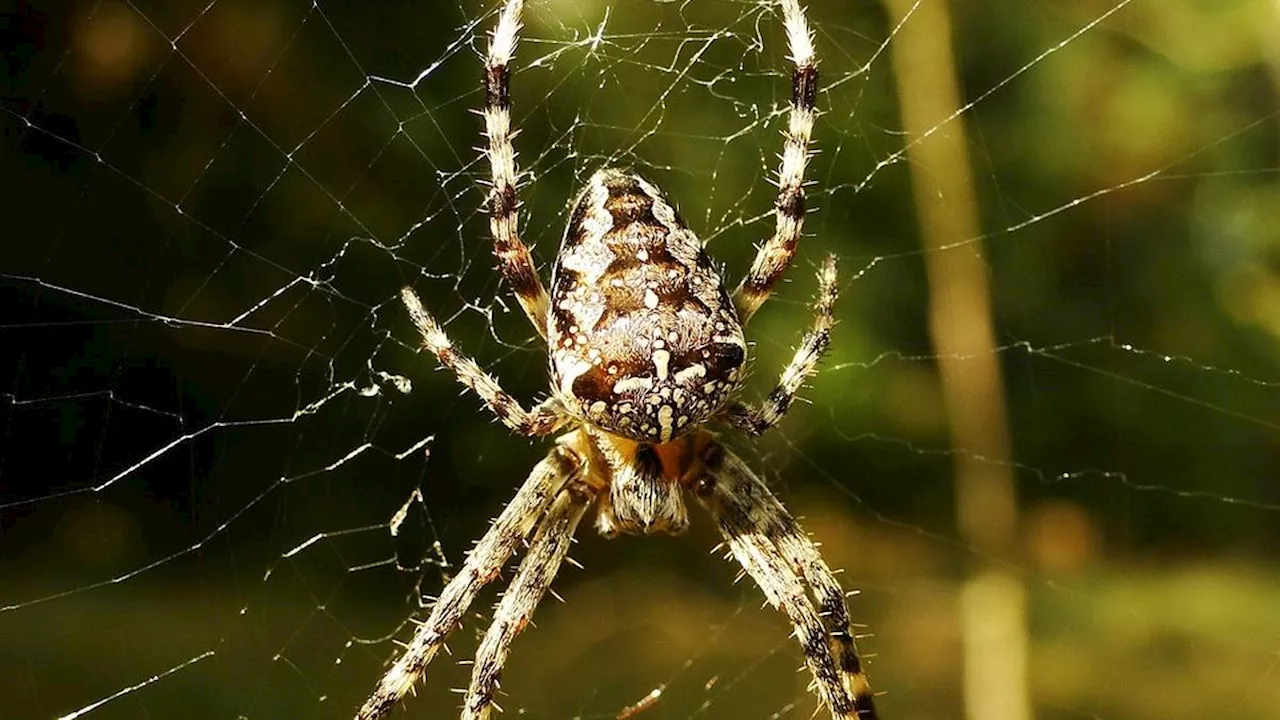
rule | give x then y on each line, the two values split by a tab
646	350
645	342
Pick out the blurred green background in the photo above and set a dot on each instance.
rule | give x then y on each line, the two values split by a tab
209	209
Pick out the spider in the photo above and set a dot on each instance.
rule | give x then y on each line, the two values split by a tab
646	349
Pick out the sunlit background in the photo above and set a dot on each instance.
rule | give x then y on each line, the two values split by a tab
1045	446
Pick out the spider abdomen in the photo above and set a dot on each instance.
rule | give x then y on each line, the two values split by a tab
645	342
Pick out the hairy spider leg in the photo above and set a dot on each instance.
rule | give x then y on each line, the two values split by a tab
514	259
482	566
804	557
770	545
546	417
776	254
541	563
754	420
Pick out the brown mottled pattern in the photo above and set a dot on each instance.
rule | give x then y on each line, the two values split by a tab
646	342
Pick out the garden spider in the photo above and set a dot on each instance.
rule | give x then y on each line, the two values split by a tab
646	349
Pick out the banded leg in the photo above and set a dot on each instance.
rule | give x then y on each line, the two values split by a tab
514	260
756	420
547	417
766	541
547	550
776	254
804	558
482	566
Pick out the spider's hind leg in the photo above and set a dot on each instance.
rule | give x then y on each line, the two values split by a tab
770	545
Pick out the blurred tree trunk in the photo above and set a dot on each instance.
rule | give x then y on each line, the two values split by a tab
992	603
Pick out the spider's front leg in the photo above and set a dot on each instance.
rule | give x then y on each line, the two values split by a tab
514	259
561	466
755	420
776	254
547	417
773	549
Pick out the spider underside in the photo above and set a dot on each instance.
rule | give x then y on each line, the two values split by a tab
646	349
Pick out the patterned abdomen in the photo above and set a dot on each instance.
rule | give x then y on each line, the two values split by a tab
645	342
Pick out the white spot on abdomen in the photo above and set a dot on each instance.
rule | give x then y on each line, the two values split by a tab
665	414
661	359
628	384
696	370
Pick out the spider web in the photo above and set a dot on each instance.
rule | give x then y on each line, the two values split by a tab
227	483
